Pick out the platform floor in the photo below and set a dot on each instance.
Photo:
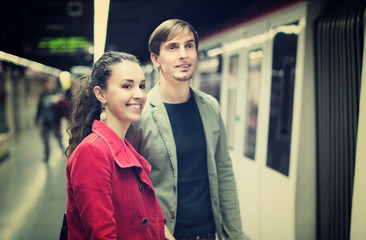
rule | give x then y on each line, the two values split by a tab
32	193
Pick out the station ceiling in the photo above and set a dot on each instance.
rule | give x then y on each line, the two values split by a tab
58	33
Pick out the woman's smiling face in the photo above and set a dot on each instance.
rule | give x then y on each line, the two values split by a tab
125	94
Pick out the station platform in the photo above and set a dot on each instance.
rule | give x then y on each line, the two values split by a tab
32	193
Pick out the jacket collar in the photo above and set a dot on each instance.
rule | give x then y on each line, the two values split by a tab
124	155
155	96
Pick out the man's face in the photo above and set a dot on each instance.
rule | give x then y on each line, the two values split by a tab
178	58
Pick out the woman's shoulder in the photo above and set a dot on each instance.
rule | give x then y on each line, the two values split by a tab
91	145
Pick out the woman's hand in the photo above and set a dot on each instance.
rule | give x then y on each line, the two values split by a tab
168	235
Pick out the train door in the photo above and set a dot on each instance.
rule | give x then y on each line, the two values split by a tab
267	132
229	91
248	134
278	151
232	59
261	101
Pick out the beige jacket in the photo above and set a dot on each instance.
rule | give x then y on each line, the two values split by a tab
153	138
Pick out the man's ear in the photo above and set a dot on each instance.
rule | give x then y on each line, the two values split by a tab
154	59
100	94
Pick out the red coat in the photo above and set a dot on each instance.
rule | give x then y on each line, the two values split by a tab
110	195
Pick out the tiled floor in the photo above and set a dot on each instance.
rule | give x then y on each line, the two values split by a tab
32	193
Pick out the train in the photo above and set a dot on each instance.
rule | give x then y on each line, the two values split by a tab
291	84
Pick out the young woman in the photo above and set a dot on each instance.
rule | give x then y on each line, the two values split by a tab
110	195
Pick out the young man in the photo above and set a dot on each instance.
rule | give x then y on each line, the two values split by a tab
182	135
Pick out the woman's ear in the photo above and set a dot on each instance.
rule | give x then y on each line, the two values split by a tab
100	94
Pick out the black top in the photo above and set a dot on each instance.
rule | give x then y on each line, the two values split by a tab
194	211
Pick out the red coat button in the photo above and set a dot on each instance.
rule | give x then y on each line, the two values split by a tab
144	221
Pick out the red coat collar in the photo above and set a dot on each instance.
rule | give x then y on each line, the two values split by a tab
125	157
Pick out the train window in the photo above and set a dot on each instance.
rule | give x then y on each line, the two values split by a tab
282	92
233	79
254	75
210	76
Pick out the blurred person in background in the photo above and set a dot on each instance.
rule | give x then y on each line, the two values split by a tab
182	135
110	195
48	116
68	99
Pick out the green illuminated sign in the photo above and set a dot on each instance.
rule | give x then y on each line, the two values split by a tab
63	44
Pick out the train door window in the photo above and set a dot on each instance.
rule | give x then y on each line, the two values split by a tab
231	105
255	58
210	76
281	99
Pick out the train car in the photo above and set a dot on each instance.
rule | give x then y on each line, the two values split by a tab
288	82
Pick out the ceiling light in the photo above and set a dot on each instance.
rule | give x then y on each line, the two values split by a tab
101	9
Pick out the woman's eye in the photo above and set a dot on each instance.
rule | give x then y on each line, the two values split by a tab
172	47
143	86
126	86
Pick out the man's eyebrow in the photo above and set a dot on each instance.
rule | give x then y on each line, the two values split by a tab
188	41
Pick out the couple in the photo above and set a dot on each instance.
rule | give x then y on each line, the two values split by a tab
180	133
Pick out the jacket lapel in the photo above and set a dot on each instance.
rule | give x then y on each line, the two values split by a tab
124	156
206	121
162	122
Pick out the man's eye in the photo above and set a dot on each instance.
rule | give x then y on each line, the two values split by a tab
142	86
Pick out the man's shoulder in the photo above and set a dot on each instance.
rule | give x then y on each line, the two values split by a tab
205	97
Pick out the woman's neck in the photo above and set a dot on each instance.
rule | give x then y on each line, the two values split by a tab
119	128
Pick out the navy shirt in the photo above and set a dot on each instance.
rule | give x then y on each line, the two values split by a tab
194	211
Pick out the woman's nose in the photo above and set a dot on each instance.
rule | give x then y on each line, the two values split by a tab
138	92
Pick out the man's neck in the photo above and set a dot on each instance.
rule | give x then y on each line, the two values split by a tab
179	92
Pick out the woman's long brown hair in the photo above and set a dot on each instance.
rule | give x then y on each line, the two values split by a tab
85	107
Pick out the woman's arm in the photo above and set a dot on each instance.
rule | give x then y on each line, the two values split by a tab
90	177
